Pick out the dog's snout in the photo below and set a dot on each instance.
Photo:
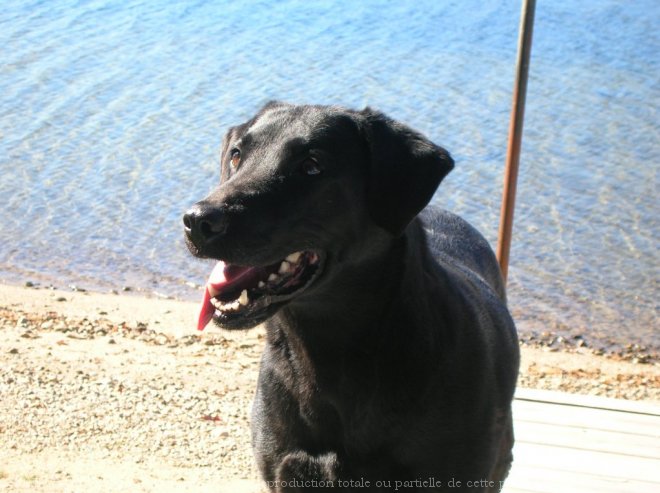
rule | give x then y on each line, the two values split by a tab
203	223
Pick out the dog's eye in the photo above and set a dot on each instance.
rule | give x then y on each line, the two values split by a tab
311	167
235	157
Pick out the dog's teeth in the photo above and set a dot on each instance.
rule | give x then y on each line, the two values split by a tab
293	258
221	306
284	267
313	258
261	284
273	277
244	299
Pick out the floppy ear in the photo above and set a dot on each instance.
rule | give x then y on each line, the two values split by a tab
405	170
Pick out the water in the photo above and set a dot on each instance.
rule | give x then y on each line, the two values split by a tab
111	115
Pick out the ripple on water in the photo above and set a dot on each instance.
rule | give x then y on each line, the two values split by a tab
111	115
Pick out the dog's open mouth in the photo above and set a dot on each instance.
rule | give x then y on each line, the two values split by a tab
234	291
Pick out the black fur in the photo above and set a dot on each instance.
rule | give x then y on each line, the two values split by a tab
399	363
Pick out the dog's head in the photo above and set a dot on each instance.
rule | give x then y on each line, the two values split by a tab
301	187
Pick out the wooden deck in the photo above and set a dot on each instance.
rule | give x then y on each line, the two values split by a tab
567	443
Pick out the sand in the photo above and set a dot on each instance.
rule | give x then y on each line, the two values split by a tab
105	392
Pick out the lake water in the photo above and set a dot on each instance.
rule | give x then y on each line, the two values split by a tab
111	115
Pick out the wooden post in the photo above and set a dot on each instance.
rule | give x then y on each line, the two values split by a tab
515	135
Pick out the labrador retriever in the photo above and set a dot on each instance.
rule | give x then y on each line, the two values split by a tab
391	358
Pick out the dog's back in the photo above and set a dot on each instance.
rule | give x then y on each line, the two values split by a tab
452	239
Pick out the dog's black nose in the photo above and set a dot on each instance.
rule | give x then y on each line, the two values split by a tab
204	223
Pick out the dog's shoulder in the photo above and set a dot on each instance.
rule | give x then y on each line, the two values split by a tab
470	266
453	240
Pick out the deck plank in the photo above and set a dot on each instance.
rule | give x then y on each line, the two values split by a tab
593	401
588	462
596	440
583	417
571	443
543	480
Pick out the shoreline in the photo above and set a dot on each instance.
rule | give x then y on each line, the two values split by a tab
105	392
549	335
547	361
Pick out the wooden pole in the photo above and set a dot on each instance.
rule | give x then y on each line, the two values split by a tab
515	135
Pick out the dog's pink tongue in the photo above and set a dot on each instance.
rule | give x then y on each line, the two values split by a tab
216	280
223	277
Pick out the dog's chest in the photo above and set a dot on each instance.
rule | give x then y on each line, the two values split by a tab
337	401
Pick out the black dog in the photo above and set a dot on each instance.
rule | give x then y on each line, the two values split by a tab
391	358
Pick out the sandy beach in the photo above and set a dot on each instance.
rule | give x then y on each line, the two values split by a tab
106	392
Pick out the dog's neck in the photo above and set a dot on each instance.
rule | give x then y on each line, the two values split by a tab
354	312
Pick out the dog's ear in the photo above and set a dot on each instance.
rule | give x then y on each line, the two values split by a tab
405	170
